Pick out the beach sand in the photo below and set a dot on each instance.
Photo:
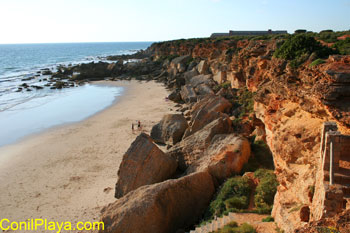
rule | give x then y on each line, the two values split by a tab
68	173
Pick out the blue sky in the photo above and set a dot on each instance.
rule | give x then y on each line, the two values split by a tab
40	21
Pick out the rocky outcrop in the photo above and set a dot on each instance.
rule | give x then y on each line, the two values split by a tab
170	129
144	163
291	103
191	148
205	111
226	156
160	208
203	67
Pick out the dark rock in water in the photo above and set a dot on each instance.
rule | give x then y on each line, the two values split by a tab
19	89
160	208
27	79
60	85
143	164
47	72
25	85
37	87
170	129
28	89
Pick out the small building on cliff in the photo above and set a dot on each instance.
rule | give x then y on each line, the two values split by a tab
249	33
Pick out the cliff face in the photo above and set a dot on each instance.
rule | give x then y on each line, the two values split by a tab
293	104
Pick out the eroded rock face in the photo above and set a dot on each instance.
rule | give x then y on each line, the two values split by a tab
190	149
225	156
170	129
292	104
160	208
144	163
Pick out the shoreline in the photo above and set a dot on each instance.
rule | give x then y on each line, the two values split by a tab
68	173
49	123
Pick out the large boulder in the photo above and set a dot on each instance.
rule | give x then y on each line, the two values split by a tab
190	74
188	94
175	96
206	110
203	67
220	77
200	79
170	129
144	163
225	156
191	149
204	89
160	208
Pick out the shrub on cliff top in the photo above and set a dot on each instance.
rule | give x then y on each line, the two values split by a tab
297	45
343	46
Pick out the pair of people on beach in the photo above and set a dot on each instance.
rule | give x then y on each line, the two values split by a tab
138	125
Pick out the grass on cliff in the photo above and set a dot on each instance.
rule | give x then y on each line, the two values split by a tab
298	48
244	101
233	196
265	191
317	62
233	227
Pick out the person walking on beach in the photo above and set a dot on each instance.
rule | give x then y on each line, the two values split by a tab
139	124
132	126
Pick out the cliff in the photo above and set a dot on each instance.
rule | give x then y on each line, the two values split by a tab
292	103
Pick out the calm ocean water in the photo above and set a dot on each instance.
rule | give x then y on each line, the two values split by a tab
27	112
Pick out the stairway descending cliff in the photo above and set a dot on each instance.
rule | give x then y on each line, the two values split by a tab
334	192
215	224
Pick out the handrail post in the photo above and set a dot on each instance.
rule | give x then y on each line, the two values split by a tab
331	175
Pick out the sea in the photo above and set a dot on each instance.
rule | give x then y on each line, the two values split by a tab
23	113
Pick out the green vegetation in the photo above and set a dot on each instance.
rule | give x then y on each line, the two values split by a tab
317	62
268	219
226	85
265	191
234	228
232	197
312	190
244	100
298	48
261	157
297	207
278	230
327	230
343	46
300	31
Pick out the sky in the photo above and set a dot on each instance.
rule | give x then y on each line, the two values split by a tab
51	21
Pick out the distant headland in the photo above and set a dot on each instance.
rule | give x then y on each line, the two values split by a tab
248	33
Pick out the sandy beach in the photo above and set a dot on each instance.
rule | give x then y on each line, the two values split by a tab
68	173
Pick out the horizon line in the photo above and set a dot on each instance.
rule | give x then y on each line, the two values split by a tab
81	42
